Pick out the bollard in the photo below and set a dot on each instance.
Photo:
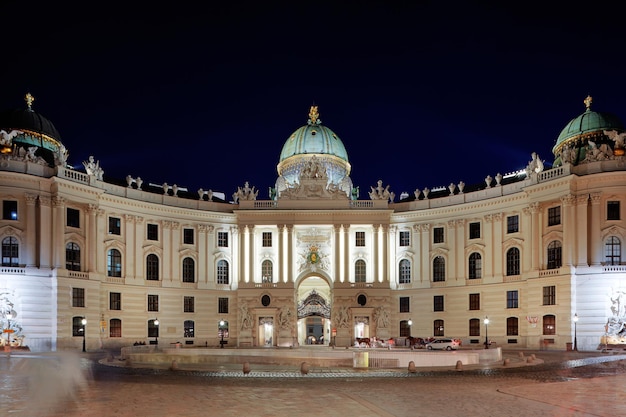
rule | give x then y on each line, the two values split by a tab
174	366
459	366
412	368
521	354
529	359
507	362
246	368
304	368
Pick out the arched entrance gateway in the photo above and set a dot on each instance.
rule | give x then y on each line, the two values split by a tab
314	306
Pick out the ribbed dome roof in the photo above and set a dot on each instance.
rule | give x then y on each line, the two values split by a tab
314	143
35	132
27	119
589	123
313	138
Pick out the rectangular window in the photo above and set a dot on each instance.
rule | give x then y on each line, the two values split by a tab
405	305
405	238
474	230
438	235
474	301
9	210
512	224
359	239
267	239
222	305
78	297
222	239
115	226
153	231
115	328
73	217
512	299
549	295
612	210
115	301
438	303
188	304
153	302
188	236
554	216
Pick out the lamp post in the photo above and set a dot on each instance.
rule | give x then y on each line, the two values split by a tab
84	323
575	338
486	332
156	337
410	323
9	316
222	334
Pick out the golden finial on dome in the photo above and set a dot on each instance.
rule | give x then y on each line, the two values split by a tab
588	102
314	116
29	100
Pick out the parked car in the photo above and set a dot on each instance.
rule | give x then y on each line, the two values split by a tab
444	344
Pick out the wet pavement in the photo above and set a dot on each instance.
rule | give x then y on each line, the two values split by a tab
557	383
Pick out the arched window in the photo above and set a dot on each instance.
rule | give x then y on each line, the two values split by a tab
189	270
10	251
512	326
152	267
405	271
549	324
474	327
475	266
114	263
613	251
188	326
512	262
554	255
359	271
72	257
222	272
439	269
115	328
438	328
267	271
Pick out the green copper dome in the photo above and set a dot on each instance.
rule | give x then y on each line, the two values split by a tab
313	138
35	131
313	141
589	125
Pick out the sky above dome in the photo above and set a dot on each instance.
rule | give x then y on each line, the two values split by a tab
421	93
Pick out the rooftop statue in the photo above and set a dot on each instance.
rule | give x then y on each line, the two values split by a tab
380	193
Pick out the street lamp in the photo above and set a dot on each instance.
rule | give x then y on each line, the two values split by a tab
9	316
222	333
156	337
575	338
410	323
486	332
84	322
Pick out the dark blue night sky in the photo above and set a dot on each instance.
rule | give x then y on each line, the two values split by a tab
421	93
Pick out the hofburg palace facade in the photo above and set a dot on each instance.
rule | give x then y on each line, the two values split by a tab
538	252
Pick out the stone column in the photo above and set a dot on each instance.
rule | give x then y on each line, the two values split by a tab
390	242
416	243
337	251
130	235
45	232
568	220
457	270
58	232
424	255
137	258
346	253
31	230
290	251
202	253
236	253
596	247
582	204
